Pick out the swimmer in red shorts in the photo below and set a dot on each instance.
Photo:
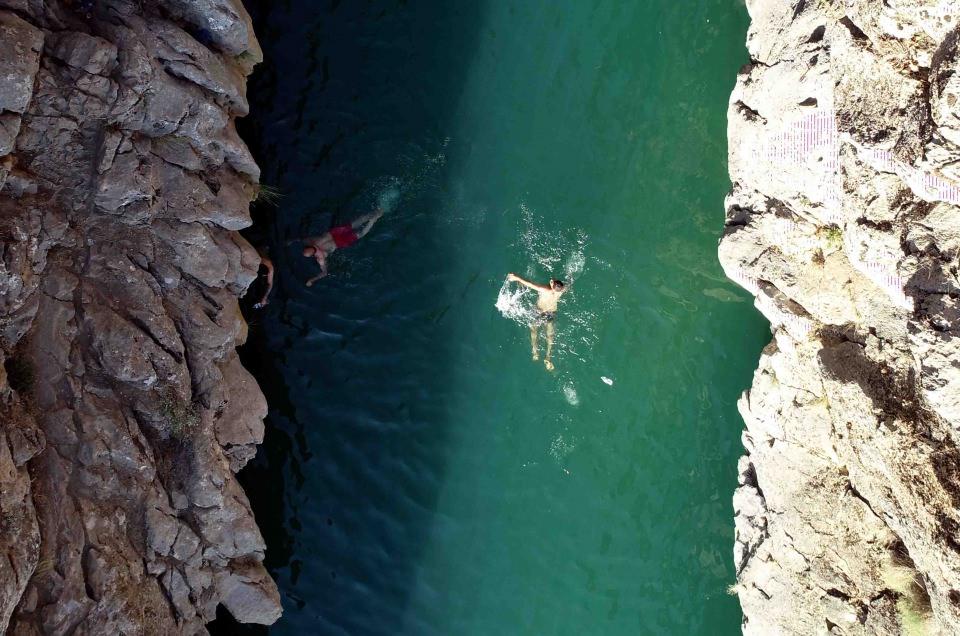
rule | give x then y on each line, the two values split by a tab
320	247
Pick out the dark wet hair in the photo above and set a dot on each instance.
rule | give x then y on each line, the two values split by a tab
556	283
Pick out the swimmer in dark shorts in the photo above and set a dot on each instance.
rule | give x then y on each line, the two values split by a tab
547	299
320	247
544	317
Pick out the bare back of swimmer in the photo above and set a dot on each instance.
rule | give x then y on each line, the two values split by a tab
322	246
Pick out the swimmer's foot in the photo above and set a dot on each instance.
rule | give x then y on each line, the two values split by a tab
548	364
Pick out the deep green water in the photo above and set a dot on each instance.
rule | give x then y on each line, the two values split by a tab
421	475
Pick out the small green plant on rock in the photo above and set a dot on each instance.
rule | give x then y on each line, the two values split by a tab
183	417
833	237
913	601
247	60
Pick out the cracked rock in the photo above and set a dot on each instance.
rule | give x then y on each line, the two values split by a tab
842	223
126	412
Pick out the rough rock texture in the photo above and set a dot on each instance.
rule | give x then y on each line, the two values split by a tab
125	411
844	222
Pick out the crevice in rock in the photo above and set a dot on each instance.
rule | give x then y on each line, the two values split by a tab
856	493
749	113
855	32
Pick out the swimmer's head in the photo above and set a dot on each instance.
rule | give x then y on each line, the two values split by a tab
309	251
556	284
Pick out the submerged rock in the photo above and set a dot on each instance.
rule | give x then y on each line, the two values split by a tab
126	411
843	223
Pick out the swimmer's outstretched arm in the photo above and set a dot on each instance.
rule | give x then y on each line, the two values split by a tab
513	277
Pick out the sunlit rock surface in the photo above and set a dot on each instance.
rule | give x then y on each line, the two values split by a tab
843	221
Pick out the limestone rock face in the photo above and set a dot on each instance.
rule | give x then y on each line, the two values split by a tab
844	222
124	410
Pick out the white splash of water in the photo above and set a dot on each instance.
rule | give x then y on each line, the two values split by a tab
417	176
575	263
515	303
606	380
388	199
561	447
570	392
539	245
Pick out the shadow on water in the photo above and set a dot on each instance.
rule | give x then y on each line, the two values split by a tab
350	93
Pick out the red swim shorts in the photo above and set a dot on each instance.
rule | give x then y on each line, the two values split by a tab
343	236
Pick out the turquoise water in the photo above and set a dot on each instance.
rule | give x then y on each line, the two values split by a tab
421	474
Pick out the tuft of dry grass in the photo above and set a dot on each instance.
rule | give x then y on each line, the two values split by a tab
268	195
913	601
182	417
43	566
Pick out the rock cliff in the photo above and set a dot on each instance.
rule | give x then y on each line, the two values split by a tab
126	411
844	223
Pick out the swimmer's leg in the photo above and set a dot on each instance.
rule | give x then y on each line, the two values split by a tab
363	224
546	358
533	342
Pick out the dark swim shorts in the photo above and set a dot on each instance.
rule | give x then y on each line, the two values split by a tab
544	317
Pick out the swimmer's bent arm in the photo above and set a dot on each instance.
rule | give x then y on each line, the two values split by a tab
322	262
526	283
268	264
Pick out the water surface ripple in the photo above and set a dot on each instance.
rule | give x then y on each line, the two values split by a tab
421	475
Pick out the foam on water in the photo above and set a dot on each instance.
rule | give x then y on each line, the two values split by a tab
575	263
389	198
516	302
570	393
561	447
417	169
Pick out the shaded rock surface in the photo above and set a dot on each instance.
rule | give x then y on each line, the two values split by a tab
126	411
844	222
